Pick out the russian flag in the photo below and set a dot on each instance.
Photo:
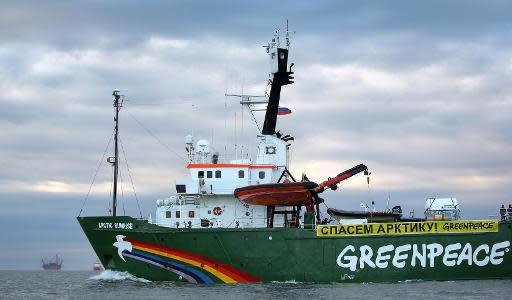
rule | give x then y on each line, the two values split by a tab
283	111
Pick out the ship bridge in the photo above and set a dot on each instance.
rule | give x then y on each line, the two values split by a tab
223	179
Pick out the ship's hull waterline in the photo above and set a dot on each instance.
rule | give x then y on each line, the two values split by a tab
229	255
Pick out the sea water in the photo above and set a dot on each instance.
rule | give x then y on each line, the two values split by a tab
121	285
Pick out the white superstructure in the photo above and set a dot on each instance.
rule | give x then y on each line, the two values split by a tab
205	199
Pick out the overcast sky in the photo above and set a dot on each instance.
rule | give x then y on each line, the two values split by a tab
419	91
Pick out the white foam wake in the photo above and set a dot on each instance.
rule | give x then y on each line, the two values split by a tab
288	282
109	275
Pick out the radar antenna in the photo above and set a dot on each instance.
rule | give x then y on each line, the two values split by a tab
249	104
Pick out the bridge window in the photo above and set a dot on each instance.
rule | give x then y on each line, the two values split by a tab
217	174
181	188
261	175
241	174
168	214
200	174
177	214
209	174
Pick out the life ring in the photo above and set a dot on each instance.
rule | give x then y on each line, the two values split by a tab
217	211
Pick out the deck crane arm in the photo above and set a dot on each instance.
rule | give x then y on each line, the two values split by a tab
332	182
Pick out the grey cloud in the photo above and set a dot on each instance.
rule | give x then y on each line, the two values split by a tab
125	21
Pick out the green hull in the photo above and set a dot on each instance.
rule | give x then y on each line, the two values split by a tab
294	254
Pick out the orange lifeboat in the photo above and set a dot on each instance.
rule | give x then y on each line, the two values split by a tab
277	194
294	193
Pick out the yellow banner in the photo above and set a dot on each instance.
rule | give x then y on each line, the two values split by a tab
400	228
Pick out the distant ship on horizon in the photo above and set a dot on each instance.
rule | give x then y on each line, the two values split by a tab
54	263
97	266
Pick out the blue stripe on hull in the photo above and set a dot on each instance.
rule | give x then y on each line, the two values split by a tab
191	275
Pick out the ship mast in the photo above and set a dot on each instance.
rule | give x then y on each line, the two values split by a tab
118	103
281	76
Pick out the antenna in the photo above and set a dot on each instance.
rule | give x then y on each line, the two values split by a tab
248	103
287	36
236	152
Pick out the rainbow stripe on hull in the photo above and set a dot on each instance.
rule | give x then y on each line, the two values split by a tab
191	267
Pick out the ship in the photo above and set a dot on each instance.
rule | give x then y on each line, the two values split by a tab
241	220
97	266
54	263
